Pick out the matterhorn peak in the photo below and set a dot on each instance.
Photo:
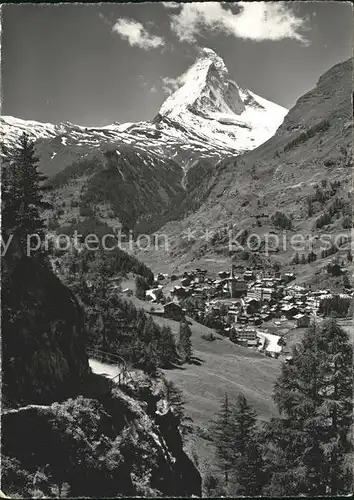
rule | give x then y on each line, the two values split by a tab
209	56
206	89
213	105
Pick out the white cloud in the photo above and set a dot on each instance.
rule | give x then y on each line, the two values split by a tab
171	5
170	85
104	18
255	21
135	33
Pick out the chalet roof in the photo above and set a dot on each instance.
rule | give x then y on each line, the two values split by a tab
299	316
288	307
287	298
153	290
173	304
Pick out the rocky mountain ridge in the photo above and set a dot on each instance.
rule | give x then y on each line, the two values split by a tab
207	118
311	149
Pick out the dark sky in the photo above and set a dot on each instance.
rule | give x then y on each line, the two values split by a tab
66	62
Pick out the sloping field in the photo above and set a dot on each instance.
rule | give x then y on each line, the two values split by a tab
220	366
224	368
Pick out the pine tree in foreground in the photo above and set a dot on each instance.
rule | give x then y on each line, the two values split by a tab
239	456
247	464
309	444
22	195
222	433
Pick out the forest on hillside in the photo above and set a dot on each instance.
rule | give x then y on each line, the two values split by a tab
123	442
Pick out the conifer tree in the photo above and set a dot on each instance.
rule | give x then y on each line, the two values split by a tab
167	346
247	465
310	439
174	397
311	257
184	343
141	285
222	433
22	193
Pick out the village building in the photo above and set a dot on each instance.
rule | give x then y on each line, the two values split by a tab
174	311
159	311
261	293
242	319
288	277
296	291
185	281
254	293
249	275
289	311
288	298
302	320
223	274
268	293
180	292
245	336
200	275
154	294
251	305
255	319
232	316
237	287
189	274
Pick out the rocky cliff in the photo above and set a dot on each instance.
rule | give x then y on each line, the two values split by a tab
43	337
123	443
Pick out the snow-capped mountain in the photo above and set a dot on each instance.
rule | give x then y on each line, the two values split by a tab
209	116
216	109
